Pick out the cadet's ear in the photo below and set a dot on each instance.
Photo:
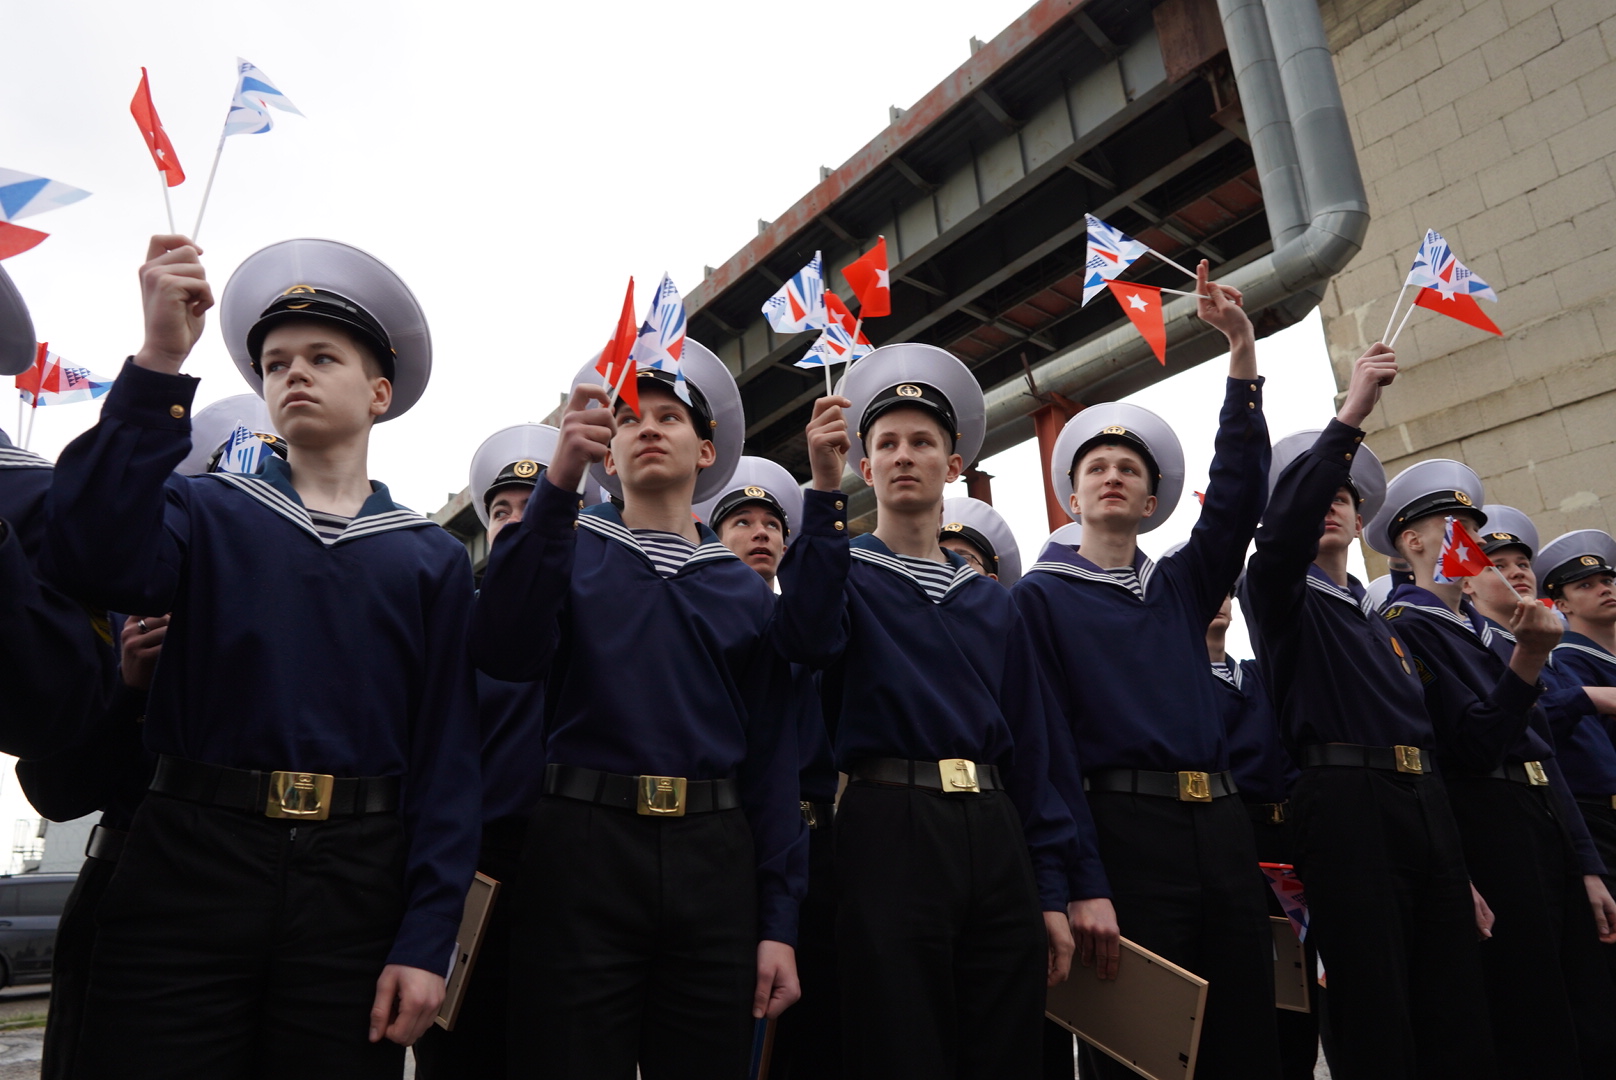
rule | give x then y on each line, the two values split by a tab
1071	500
707	454
381	399
866	472
1150	505
610	464
956	465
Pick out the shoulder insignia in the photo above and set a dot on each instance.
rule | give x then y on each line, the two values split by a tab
1427	676
1393	611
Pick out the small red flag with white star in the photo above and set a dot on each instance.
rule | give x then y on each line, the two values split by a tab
1143	306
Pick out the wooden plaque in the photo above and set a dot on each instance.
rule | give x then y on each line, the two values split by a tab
468	943
1290	968
1148	1018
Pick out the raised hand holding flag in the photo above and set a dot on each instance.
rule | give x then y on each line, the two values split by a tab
157	141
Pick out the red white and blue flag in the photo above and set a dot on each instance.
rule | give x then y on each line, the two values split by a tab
255	95
836	344
1292	898
1448	286
800	303
51	382
244	452
662	337
22	195
1461	556
1110	252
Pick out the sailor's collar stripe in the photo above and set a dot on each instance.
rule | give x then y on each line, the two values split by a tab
14	457
1457	620
1230	673
1097	576
1335	592
711	551
962	574
1600	653
358	528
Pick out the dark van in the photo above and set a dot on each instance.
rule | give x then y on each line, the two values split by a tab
30	906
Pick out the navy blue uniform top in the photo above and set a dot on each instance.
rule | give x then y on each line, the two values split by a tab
1463	660
1262	769
1130	675
512	715
285	651
647	675
1583	737
816	765
56	659
1337	673
907	677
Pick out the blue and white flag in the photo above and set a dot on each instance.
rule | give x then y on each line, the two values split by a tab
1110	252
661	341
23	194
255	94
243	453
1437	267
800	303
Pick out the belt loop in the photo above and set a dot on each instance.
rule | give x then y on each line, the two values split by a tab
600	786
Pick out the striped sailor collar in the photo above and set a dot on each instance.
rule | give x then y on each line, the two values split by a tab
1064	560
273	488
1353	594
606	521
1409	595
1230	672
870	549
1576	642
14	457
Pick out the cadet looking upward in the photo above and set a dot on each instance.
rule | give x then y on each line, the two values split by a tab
656	907
949	838
313	672
1123	645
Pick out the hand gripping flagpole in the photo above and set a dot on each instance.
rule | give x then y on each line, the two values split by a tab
612	391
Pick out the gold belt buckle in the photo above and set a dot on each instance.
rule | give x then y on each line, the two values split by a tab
301	796
1194	787
958	775
1276	813
808	815
1535	774
1408	759
661	796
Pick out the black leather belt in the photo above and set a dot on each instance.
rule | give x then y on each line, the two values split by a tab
1189	786
818	815
1403	759
295	795
1267	813
964	776
652	796
105	843
1530	773
1607	802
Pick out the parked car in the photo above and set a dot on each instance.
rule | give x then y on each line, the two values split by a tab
30	907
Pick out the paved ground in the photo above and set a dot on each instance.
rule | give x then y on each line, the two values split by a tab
20	1047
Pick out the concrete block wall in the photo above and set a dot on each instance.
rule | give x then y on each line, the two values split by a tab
1493	122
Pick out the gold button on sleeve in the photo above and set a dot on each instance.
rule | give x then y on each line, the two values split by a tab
1253	388
1251	404
840	526
177	411
838	504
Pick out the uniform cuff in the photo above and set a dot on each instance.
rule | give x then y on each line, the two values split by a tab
551	509
151	399
1338	443
824	513
777	919
425	941
1515	694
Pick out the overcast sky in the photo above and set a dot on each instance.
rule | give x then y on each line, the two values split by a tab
514	164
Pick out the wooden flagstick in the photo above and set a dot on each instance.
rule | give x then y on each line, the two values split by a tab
1393	342
214	171
1393	315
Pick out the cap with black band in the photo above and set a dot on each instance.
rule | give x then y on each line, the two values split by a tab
1572	557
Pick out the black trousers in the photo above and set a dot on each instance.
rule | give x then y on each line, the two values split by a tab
941	940
1601	822
70	971
1389	905
1186	885
808	1038
1298	1032
635	941
1547	982
231	946
475	1049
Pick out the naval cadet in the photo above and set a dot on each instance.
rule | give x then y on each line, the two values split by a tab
277	899
56	658
1526	847
753	518
666	858
953	852
1376	844
1123	643
1578	571
1509	540
504	471
977	533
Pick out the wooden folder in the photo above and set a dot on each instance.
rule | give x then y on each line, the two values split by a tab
1290	968
468	943
1148	1017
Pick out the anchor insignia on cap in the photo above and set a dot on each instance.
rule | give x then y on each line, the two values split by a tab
525	468
755	492
909	390
1589	560
953	526
1114	429
1464	500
